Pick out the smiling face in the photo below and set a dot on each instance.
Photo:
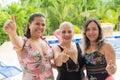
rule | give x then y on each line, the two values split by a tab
66	32
92	31
37	27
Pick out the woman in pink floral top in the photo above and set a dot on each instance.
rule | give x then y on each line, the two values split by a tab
33	52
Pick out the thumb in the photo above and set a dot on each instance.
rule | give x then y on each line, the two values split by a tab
13	18
65	50
110	62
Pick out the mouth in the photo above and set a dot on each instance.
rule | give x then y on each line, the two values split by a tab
39	31
67	38
91	36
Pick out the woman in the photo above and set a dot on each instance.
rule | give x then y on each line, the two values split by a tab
99	56
67	55
33	52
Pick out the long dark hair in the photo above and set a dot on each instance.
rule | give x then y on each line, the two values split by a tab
99	40
31	19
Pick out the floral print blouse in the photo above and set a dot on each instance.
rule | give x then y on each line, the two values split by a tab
34	65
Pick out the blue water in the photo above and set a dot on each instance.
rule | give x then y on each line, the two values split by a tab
113	40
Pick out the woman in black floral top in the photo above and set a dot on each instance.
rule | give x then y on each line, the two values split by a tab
99	56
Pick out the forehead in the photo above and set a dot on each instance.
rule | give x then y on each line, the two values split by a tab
92	24
66	27
38	18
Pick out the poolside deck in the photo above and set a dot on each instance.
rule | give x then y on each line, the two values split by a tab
9	57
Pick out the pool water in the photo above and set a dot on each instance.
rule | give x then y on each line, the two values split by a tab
113	40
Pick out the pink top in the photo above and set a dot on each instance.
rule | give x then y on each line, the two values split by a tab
34	65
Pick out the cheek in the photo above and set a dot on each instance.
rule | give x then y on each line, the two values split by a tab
31	27
61	36
71	35
86	34
97	33
44	29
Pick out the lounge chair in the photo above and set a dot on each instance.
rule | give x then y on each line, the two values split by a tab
6	72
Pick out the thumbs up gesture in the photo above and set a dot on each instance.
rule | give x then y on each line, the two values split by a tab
10	26
65	57
111	68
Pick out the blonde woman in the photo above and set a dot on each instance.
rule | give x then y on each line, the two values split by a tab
67	55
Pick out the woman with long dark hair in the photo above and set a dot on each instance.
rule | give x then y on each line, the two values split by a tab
33	52
100	59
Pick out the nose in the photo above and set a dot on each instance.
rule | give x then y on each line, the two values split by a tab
66	33
90	31
41	26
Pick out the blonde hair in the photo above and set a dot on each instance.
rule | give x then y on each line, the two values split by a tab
66	23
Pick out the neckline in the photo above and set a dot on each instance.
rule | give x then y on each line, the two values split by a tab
91	52
35	51
70	57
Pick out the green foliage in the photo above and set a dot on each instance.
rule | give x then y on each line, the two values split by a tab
3	17
57	11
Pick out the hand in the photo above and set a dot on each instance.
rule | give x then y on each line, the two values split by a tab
10	26
49	54
65	57
111	68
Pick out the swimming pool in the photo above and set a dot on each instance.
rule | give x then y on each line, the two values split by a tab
113	40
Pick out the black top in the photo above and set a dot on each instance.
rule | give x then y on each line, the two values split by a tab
70	70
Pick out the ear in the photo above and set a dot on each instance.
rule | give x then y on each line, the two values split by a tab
28	25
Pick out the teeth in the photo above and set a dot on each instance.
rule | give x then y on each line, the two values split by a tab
39	30
67	38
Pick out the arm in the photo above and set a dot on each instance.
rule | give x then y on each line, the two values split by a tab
57	56
110	56
10	28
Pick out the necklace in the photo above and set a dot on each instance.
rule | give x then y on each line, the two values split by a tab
73	68
72	52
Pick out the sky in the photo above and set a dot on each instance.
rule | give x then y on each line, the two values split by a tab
5	2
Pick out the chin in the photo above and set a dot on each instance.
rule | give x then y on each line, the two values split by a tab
67	40
38	36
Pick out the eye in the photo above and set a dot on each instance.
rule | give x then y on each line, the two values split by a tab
43	24
63	32
37	24
95	29
69	32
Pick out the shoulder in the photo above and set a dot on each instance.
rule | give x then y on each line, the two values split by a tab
78	45
22	42
107	46
44	43
55	47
